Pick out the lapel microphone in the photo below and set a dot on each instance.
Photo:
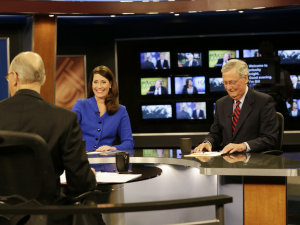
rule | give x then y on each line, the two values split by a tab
230	115
97	113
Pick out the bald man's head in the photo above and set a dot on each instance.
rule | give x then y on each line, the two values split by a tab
30	68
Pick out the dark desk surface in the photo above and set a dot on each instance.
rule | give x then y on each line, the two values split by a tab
238	164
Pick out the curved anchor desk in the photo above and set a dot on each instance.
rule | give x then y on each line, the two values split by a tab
256	182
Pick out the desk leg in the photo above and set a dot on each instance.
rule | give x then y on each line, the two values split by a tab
264	200
112	194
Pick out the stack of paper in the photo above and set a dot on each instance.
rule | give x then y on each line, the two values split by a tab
103	177
211	154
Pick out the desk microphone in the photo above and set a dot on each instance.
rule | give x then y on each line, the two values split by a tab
230	115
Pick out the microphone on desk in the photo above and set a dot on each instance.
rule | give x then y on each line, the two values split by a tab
230	115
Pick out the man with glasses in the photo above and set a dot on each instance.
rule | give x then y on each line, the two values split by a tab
27	111
245	120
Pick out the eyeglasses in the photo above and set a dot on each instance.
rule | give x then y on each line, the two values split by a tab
231	83
6	77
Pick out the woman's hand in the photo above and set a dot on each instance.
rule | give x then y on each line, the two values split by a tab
105	148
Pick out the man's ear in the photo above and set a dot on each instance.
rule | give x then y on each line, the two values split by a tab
44	80
15	79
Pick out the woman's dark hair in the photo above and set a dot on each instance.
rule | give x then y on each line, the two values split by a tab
187	82
111	101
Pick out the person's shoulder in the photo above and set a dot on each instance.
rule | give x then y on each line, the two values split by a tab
59	110
224	98
122	108
260	94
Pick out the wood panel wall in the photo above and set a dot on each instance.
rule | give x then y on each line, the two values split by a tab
44	43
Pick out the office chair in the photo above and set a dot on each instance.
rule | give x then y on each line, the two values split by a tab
26	171
27	176
280	136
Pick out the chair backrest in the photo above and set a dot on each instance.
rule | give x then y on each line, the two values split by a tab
280	130
26	167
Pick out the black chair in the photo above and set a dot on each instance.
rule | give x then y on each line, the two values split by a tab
26	171
278	151
27	177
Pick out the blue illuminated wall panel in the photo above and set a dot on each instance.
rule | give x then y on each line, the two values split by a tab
4	57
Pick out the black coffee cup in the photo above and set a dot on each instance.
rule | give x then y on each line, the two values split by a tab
186	145
122	162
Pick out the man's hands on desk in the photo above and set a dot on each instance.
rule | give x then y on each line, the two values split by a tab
228	149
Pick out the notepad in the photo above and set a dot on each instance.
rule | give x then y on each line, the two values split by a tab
211	154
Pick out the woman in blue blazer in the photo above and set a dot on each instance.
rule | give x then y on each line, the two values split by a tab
101	117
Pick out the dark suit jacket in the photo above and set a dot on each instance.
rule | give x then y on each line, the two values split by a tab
183	115
290	112
219	63
147	65
185	92
187	63
257	124
201	114
166	64
151	91
27	111
297	86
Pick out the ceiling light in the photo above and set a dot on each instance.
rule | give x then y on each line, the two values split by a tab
192	11
176	14
241	11
221	10
51	15
127	13
152	13
112	15
259	7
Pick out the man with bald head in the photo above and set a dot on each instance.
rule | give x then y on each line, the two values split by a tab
245	120
27	111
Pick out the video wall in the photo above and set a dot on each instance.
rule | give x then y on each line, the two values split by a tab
171	85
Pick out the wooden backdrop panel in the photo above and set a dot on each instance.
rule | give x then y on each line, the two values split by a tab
70	80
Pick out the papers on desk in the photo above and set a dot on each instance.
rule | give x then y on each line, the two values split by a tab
103	177
210	154
112	152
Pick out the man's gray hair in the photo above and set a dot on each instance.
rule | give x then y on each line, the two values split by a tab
241	67
29	69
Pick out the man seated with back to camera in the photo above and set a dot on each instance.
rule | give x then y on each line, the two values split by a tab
245	120
27	111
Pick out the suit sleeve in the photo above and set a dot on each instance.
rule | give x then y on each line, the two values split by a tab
80	177
268	131
125	133
215	135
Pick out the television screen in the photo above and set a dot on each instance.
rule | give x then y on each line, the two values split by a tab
295	81
289	56
189	59
263	71
156	86
153	112
216	85
157	153
251	53
218	58
189	85
190	110
294	108
155	60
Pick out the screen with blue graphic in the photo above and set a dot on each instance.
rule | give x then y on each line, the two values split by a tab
190	85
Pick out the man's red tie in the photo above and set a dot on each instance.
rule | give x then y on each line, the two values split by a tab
236	116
